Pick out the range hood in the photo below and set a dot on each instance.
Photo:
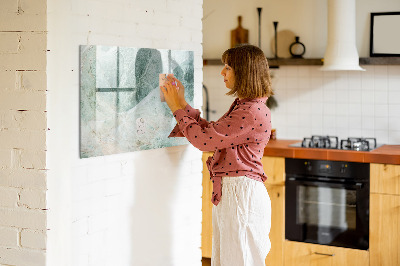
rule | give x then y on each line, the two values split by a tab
341	51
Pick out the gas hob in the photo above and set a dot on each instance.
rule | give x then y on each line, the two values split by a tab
332	142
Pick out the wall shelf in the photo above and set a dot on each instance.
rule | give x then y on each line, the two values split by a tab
274	63
380	61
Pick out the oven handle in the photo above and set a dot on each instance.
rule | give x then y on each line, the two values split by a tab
357	185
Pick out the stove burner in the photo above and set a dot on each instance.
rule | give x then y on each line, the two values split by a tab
358	144
332	142
328	142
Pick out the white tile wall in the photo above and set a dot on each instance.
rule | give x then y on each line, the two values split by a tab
312	102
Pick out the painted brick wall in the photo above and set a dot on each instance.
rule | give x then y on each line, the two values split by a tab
23	132
140	208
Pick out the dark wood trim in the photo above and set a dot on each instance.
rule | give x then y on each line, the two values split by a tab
273	63
212	62
295	61
380	61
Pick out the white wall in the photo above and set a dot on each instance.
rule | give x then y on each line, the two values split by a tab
140	208
312	102
23	133
306	19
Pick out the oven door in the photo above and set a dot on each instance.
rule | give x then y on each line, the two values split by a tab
327	213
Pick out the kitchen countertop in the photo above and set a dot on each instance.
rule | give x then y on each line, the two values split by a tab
389	154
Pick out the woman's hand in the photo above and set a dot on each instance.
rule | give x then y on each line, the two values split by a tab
181	91
173	94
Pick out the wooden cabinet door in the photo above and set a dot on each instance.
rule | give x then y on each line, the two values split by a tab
206	226
304	254
277	233
385	178
384	236
274	168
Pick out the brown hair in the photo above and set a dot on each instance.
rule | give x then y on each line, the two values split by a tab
250	66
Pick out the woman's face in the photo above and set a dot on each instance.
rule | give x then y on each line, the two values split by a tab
229	76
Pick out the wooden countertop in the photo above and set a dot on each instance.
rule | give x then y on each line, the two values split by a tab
389	154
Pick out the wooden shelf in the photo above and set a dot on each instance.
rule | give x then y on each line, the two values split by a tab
380	61
212	62
274	63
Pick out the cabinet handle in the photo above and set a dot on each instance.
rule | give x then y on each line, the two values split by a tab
324	254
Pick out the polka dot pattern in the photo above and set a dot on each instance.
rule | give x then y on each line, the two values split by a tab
238	139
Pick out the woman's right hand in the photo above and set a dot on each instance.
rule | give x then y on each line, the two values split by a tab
181	91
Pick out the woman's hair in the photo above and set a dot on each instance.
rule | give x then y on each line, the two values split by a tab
250	66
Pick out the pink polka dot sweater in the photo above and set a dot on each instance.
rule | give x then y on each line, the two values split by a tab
238	139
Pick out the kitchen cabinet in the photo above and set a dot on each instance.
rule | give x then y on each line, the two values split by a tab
385	230
384	221
206	225
274	168
385	178
305	254
385	215
277	233
384	245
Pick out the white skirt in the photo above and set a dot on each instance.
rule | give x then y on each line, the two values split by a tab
241	223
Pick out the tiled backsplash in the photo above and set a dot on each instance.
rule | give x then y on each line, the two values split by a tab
314	102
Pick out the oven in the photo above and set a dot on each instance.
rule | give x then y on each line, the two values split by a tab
327	202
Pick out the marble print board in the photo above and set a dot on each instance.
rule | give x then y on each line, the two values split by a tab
120	106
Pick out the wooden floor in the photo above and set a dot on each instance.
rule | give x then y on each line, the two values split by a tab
206	261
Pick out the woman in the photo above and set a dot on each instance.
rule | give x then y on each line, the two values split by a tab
242	208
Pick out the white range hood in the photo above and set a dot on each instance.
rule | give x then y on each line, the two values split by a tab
341	51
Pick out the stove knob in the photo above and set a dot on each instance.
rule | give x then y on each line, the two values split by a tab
343	168
308	166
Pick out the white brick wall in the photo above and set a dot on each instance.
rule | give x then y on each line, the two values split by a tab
23	178
140	208
9	237
22	132
100	208
8	197
11	256
33	239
